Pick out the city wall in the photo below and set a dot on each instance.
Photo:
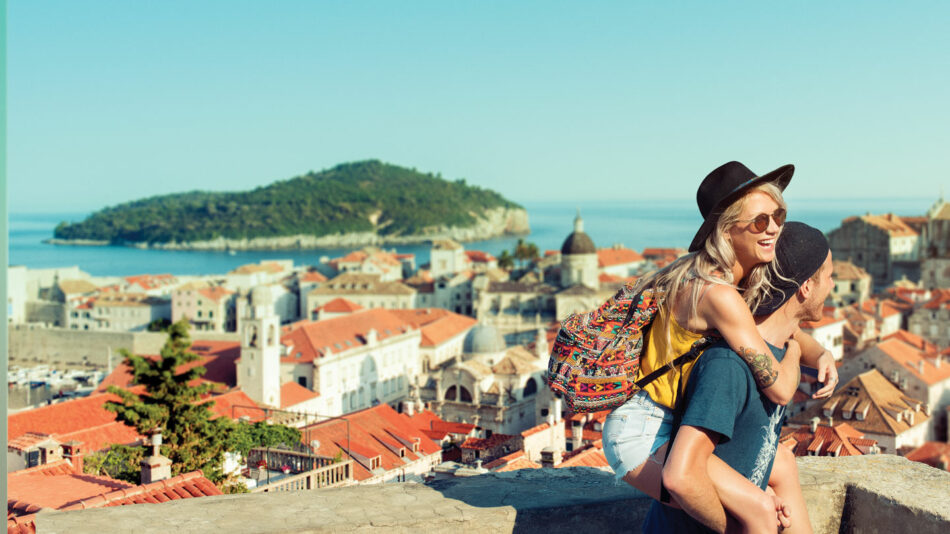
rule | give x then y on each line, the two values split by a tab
32	345
864	494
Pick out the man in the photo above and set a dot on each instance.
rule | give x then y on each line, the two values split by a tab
725	413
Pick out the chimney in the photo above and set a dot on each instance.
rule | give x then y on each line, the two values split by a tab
156	467
831	421
550	457
814	424
72	451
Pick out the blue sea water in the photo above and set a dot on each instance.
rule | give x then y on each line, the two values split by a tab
635	224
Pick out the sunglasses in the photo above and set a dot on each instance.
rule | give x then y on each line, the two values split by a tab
761	221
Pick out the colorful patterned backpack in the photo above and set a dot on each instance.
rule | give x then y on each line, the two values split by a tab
596	355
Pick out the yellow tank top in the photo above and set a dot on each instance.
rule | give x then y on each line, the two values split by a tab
665	388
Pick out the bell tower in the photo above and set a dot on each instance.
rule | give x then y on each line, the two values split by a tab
259	367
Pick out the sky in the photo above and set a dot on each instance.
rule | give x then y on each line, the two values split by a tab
540	101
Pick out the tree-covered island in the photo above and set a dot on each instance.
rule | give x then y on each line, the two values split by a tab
367	202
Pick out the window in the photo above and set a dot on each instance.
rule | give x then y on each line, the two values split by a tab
302	380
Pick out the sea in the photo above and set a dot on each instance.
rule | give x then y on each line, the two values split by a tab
635	224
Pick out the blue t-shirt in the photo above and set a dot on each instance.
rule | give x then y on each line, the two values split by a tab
722	396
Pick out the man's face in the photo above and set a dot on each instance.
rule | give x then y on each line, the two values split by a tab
820	288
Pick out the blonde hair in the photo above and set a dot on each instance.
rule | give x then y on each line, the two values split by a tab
712	264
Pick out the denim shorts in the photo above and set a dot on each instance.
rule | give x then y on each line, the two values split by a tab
634	431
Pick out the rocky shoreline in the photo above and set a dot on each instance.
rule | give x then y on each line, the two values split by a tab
493	223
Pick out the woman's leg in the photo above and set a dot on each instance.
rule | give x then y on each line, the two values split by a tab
784	481
750	509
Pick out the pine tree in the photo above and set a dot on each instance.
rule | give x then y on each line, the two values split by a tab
191	438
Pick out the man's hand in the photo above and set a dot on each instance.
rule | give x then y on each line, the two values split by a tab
827	375
782	515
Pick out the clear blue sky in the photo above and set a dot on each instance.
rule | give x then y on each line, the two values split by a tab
111	101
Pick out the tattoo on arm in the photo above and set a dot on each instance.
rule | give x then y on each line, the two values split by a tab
761	367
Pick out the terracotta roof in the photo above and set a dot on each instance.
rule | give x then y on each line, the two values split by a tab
589	456
915	362
30	440
215	293
432	424
313	276
378	257
653	252
887	309
845	270
437	325
824	321
311	339
340	305
478	256
840	440
481	444
933	453
217	357
890	223
607	257
882	402
292	393
511	462
150	281
369	430
29	491
235	404
939	299
84	419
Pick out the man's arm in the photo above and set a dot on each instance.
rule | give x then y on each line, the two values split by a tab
686	476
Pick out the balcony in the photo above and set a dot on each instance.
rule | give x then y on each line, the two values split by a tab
868	494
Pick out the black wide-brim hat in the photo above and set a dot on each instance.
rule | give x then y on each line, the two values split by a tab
723	186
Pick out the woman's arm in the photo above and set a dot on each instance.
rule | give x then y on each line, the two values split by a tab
814	355
724	310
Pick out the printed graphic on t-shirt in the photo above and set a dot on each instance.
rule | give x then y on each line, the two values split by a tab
769	442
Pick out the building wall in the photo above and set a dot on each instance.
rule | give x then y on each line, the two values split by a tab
553	436
830	337
389	302
846	292
579	269
381	371
934	325
935	272
864	245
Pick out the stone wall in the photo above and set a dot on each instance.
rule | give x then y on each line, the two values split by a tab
867	494
31	345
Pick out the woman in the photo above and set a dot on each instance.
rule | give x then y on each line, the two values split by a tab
744	214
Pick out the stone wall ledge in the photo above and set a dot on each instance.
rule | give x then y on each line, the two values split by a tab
868	494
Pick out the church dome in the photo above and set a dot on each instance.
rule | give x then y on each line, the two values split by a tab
578	242
484	339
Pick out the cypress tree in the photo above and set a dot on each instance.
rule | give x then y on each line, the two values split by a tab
191	439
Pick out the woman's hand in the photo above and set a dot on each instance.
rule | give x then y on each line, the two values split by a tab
827	375
782	516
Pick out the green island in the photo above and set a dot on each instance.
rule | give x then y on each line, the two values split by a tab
372	197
